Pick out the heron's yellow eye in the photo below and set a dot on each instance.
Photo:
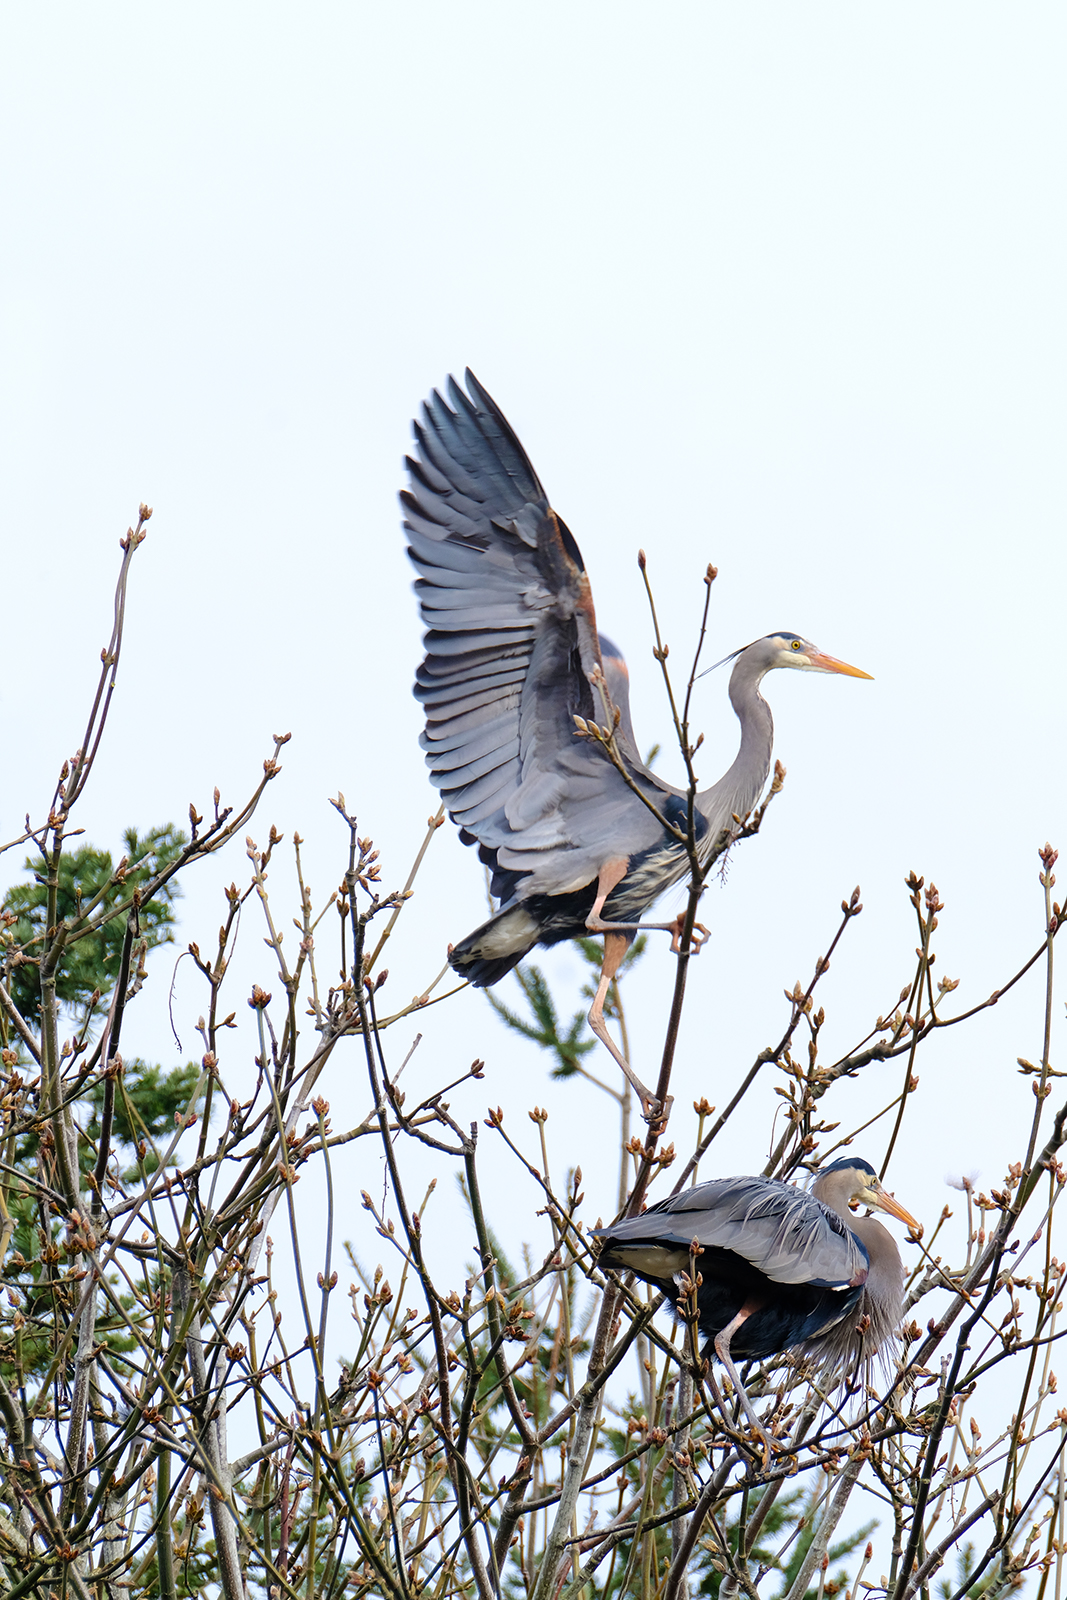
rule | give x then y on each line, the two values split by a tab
794	644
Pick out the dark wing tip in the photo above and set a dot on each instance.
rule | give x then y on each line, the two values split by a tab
478	391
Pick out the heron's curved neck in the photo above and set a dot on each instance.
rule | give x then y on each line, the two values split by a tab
741	786
885	1275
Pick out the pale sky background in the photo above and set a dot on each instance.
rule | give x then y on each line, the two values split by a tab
775	286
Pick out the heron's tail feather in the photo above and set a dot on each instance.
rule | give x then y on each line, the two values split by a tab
484	973
491	951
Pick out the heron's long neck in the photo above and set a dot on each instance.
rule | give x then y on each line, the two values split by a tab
741	786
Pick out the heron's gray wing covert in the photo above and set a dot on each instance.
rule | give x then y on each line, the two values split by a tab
511	645
782	1231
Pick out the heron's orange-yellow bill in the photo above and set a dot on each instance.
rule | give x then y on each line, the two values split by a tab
831	664
893	1206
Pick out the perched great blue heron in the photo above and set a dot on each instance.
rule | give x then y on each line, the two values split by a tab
512	657
779	1267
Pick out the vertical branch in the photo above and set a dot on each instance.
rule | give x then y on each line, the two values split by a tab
709	578
114	1530
927	925
109	657
679	1485
432	826
1049	858
574	1469
820	1545
456	1466
112	1062
676	1582
698	871
220	1489
62	1130
64	1140
661	651
164	1538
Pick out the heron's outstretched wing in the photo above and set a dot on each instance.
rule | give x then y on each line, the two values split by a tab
781	1231
617	675
511	648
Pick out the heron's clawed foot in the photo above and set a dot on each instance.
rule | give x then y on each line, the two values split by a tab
653	1112
697	939
770	1444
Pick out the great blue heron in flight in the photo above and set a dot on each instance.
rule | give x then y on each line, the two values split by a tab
512	658
779	1267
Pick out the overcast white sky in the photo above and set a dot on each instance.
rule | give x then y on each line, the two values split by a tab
776	286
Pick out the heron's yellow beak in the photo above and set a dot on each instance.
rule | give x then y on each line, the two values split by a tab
831	664
886	1202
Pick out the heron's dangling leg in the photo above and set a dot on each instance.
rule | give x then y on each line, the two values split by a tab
615	947
722	1350
618	937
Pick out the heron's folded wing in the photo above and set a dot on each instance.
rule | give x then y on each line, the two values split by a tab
782	1231
511	632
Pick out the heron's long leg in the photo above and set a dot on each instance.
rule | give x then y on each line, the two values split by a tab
611	875
615	947
722	1350
618	937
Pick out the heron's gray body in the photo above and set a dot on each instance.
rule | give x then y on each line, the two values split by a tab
813	1276
512	657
